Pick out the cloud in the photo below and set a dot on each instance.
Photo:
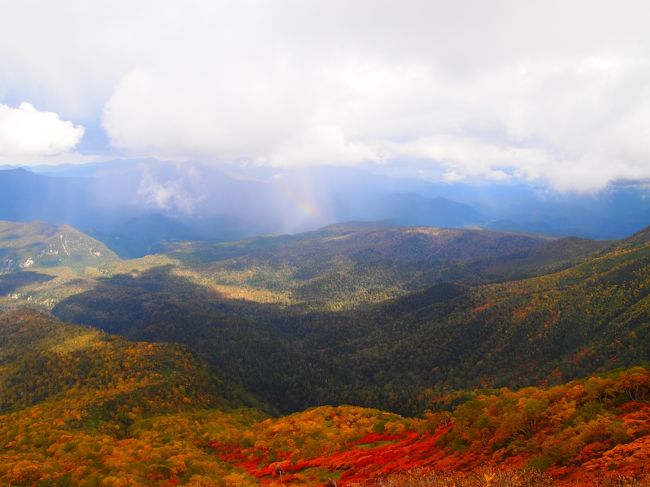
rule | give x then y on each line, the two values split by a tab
26	132
180	193
496	90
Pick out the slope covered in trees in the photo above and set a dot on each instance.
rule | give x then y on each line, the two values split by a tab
70	398
395	354
42	359
121	413
336	268
78	405
576	432
38	244
590	317
343	266
40	264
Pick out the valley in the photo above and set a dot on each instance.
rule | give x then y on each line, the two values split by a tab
401	338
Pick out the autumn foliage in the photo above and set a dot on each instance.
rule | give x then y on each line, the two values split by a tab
83	408
575	433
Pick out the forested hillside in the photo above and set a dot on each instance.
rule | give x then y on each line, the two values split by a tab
397	353
337	268
43	359
97	410
454	317
578	432
38	244
342	266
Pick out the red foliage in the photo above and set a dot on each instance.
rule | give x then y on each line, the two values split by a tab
375	455
482	307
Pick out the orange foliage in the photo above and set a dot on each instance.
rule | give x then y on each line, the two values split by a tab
585	430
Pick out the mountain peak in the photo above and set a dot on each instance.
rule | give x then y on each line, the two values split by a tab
41	245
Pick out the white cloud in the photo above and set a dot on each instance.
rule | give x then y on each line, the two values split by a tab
556	92
26	132
172	194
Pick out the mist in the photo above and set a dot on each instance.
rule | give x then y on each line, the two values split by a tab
135	206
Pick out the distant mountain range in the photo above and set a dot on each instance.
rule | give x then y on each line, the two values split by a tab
136	206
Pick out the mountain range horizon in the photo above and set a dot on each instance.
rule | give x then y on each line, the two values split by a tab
134	206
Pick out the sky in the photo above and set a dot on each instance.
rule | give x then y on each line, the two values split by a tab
554	93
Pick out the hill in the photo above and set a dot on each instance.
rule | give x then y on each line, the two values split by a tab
577	433
398	353
593	315
40	264
70	398
417	210
589	317
79	407
365	241
361	313
342	266
43	359
41	245
338	267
